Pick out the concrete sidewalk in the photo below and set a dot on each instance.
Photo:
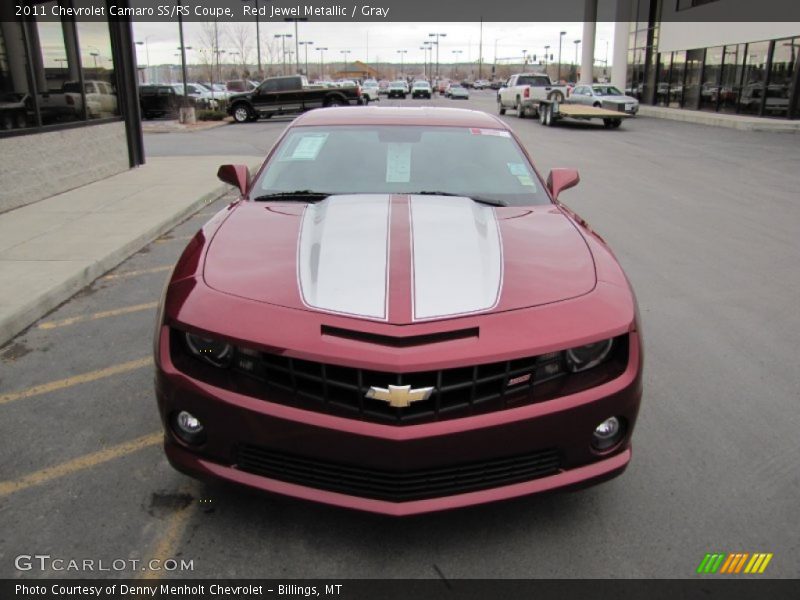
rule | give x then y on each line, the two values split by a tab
741	122
51	249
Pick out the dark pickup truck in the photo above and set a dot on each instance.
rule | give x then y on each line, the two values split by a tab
158	101
284	95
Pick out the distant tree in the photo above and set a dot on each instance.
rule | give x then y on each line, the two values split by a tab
239	36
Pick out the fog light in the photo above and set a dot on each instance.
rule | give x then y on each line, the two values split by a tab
607	434
188	428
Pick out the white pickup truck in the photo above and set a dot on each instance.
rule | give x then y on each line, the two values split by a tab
524	91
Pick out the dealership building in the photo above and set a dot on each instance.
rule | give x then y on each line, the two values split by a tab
690	55
69	111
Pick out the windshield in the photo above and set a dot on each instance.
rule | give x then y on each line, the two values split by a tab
479	163
607	90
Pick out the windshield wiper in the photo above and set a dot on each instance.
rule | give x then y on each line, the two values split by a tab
295	196
478	199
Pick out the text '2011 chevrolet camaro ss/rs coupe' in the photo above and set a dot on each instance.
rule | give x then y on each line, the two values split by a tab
398	316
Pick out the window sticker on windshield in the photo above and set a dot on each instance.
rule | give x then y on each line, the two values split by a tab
398	163
517	169
308	147
525	180
495	132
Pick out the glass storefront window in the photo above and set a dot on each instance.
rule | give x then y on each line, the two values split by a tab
676	79
694	69
712	71
754	80
731	80
54	66
94	40
784	59
16	104
662	85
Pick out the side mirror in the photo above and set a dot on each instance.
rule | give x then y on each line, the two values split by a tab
561	179
235	175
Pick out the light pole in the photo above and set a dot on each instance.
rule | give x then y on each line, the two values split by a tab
455	58
283	37
546	48
146	52
344	57
577	43
429	47
258	37
219	69
232	53
402	53
306	44
560	37
524	59
321	61
437	36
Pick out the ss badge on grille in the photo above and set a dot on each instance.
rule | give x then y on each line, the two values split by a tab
399	396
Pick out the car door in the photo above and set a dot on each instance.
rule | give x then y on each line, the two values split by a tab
265	96
579	95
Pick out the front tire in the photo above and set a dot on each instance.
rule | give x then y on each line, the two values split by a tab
242	114
501	110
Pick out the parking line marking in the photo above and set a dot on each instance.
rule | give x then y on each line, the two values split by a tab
126	274
68	382
79	464
98	315
167	547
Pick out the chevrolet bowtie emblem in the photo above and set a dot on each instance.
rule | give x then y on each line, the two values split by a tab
399	396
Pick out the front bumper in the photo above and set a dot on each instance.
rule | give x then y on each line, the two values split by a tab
234	420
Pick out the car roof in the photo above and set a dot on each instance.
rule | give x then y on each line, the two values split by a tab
373	115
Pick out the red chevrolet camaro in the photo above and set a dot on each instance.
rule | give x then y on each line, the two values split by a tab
398	316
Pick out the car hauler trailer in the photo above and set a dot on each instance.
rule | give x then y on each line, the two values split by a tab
550	112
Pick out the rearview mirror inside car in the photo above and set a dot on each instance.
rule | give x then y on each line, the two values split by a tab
235	175
561	179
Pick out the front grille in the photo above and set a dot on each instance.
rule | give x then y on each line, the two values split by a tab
321	386
458	392
400	486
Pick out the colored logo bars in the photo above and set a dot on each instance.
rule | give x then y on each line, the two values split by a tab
734	563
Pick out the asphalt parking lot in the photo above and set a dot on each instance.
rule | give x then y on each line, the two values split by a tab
704	221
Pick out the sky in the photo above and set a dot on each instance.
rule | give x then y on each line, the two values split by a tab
379	42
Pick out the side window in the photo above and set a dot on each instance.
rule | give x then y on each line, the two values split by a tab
269	86
289	84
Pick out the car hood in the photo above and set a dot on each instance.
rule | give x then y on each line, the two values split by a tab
399	259
626	99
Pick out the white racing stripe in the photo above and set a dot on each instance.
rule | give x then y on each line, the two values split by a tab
457	257
343	254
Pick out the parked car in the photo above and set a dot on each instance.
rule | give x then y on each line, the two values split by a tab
457	91
14	109
421	89
201	95
496	84
480	84
603	95
287	95
327	348
383	87
441	85
158	101
397	89
240	85
369	91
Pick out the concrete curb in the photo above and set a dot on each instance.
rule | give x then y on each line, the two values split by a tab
17	322
183	129
740	122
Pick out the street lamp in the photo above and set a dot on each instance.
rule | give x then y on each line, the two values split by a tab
283	37
344	68
546	48
219	69
306	44
560	37
455	58
429	47
321	61
401	53
147	51
577	43
258	36
437	36
524	59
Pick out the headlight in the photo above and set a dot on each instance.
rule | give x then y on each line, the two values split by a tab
214	352
588	356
